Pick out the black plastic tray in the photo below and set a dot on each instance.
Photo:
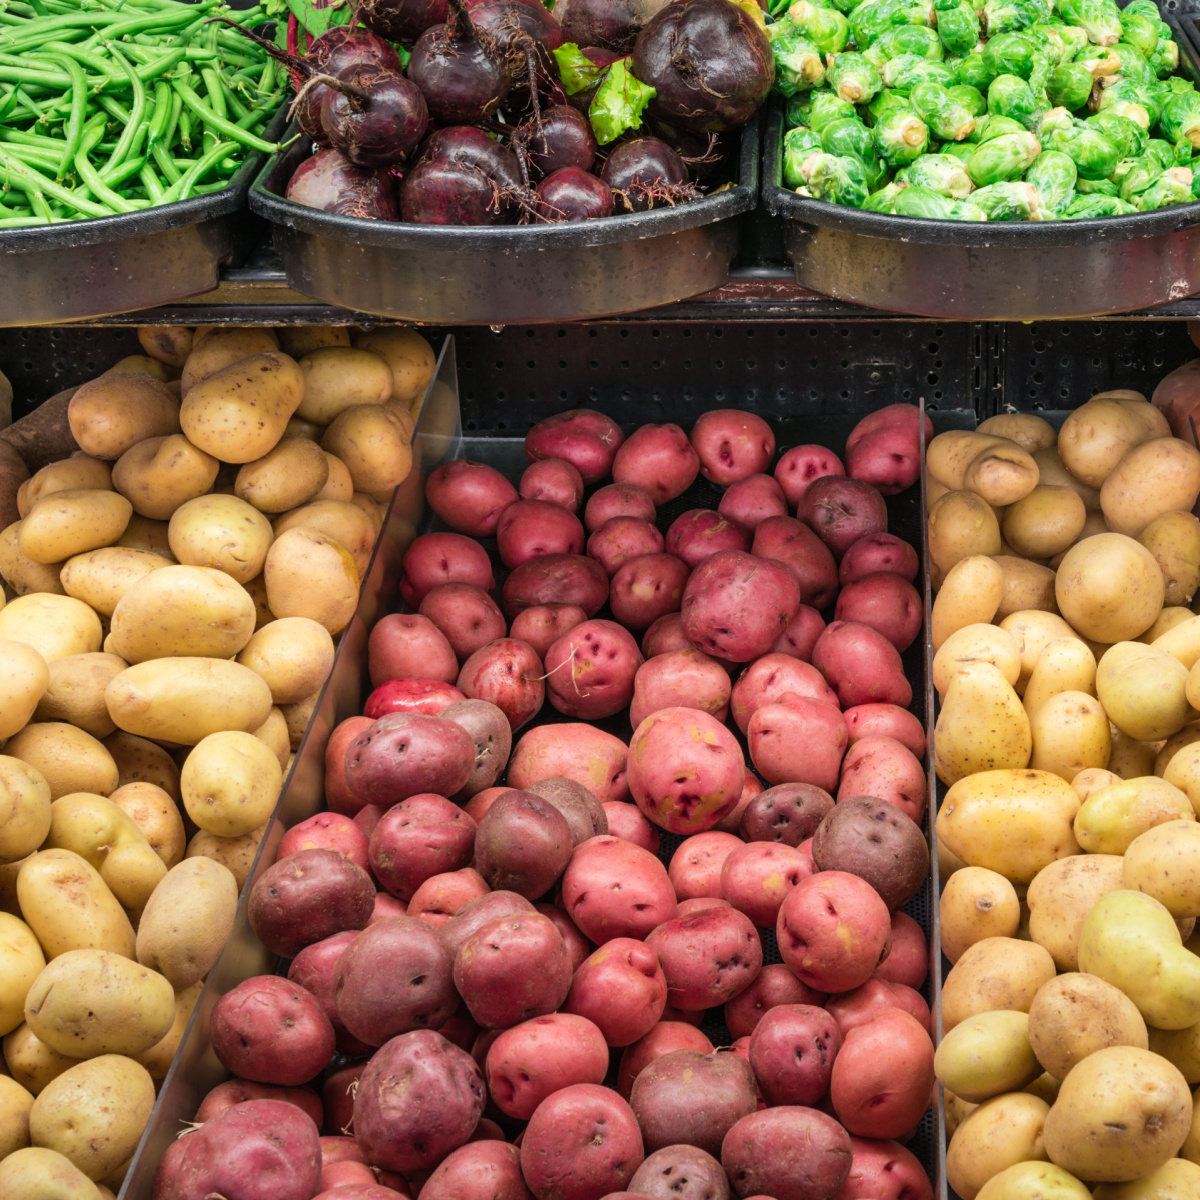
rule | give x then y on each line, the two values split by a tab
513	274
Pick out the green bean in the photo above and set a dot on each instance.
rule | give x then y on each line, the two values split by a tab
135	127
31	181
181	189
224	126
89	175
73	132
162	158
154	189
126	170
162	113
185	128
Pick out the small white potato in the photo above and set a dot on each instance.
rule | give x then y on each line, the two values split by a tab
230	783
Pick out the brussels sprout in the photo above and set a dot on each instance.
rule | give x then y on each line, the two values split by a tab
886	101
1168	188
1095	187
1053	174
973	70
881	201
900	137
1007	16
837	179
1135	175
871	18
1084	208
1010	96
959	150
904	72
965	210
1100	18
1134	66
1142	8
798	144
1165	58
1093	151
905	39
996	126
972	99
1135	114
1011	54
1058	42
1150	97
1009	201
826	28
1003	158
921	202
948	118
1162	152
941	173
957	25
1069	86
1180	120
853	78
821	108
1140	31
852	139
799	66
1128	136
1101	61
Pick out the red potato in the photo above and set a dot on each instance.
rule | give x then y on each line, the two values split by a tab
531	1061
436	558
257	1150
441	896
394	977
578	947
646	588
885	602
507	673
523	844
340	1149
534	528
757	877
736	605
326	831
621	989
313	969
692	1099
308	896
419	1098
789	813
542	625
469	496
580	752
462	1031
590	670
884	448
491	733
788	541
789	1152
555	579
665	635
362	1191
861	666
387	906
883	767
685	770
482	801
884	1170
622	538
770	678
466	615
883	1077
617	500
486	1170
752	500
833	931
409	646
796	739
864	1004
513	969
367	818
423	836
585	438
658	459
792	1052
695	867
699	532
680	679
428	696
405	754
680	1173
235	1091
271	1031
338	795
732	445
908	962
553	480
774	986
801	634
801	466
582	811
345	1173
664	1038
878	552
732	821
625	821
581	1143
474	916
337	1096
708	958
886	720
841	511
612	888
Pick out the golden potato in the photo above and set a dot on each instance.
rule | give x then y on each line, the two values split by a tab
1034	630
298	716
144	534
1029	1179
1070	734
969	595
273	732
222	347
75	692
15	1103
1060	898
158	475
156	817
32	1062
110	414
1044	522
1000	1133
961	525
140	364
310	575
24	809
1176	1179
1173	538
237	853
158	1059
1052	473
1167	620
338	485
374	507
1164	862
410	357
1097	435
1113	816
37	1174
1129	758
257	591
221	532
973	644
141	761
238	413
296	428
1181	640
976	903
55	626
950	454
981	726
346	523
987	1055
1187	736
101	577
20	572
374	443
995	974
294	655
1064	665
299	340
337	378
68	474
1109	588
957	1111
230	783
1143	690
168	343
1074	1015
1028	587
22	686
288	476
21	961
183	700
187	921
69	759
68	906
1156	477
1032	433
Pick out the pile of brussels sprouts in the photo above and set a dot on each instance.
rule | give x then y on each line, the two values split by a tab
1000	110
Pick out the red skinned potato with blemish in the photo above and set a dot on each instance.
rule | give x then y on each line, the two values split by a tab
791	542
418	838
774	986
625	821
756	879
772	677
908	961
469	496
338	795
586	439
578	947
467	617
680	1173
864	1004
659	459
620	539
861	666
523	845
665	635
583	813
708	957
796	739
841	511
542	625
620	988
436	558
800	466
788	812
886	720
751	501
474	916
647	588
440	897
313	969
885	1168
613	888
576	751
680	679
236	1091
490	731
801	634
792	1052
326	831
565	579
531	1061
664	1038
699	532
617	500
507	673
885	602
553	480
732	445
409	646
884	448
789	1150
534	528
405	754
695	867
484	1170
884	767
878	552
428	696
590	671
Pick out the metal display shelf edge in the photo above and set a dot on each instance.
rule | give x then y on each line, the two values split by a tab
80	270
957	270
508	275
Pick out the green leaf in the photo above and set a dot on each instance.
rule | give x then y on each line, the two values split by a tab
619	103
575	69
315	21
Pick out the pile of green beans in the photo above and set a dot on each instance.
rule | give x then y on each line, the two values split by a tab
113	106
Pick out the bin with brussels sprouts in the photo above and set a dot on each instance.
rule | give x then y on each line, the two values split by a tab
985	110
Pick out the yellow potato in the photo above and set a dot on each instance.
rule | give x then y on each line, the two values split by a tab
1028	587
976	903
68	474
375	508
238	413
221	347
69	759
183	700
957	1111
995	974
1060	898
168	343
160	474
158	1059
1045	522
1109	588
1113	816
1070	734
1064	665
1181	640
156	817
94	1113
969	595
237	853
15	1103
294	655
230	783
55	626
1181	1047
1174	540
987	1055
24	809
1098	434
338	485
1032	433
1164	862
75	693
139	364
374	443
21	961
1129	758
298	717
184	926
998	1134
949	455
101	577
337	378
961	525
144	534
1168	619
974	644
1156	477
111	414
1191	1147
981	726
1074	1015
68	906
289	475
257	590
1052	473
20	572
1002	475
32	1062
91	1002
346	523
39	1174
1013	822
22	685
1176	1179
141	761
299	340
410	357
273	732
1092	780
1188	735
296	428
221	532
1143	690
310	575
183	611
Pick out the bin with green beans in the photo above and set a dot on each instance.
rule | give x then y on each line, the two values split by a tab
997	110
116	106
